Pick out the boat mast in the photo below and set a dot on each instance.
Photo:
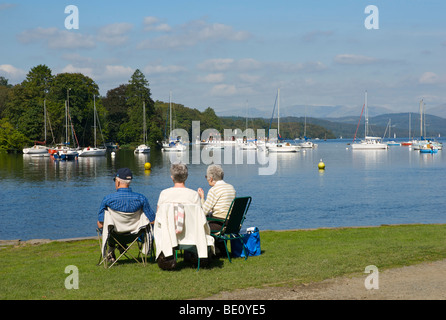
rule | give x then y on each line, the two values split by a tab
278	112
366	123
144	120
44	116
170	110
94	119
421	118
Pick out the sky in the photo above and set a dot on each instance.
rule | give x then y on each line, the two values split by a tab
233	56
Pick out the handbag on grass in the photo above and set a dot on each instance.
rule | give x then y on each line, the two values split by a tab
251	241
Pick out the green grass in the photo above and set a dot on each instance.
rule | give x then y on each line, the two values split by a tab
288	258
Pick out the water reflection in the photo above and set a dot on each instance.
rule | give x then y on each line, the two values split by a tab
357	187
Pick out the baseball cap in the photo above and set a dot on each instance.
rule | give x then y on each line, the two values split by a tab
124	173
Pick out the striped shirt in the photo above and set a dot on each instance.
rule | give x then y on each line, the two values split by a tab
125	200
218	200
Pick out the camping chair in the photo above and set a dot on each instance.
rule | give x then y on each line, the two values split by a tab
232	224
122	231
192	235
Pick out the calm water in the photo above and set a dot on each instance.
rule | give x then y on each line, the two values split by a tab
41	198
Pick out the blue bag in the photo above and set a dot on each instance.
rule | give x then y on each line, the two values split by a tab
251	241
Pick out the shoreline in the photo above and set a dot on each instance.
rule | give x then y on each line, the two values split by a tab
16	242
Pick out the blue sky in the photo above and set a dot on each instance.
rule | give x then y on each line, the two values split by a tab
234	55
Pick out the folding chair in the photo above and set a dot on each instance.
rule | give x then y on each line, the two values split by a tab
194	235
122	231
232	224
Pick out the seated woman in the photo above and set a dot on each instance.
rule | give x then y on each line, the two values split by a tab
219	197
218	201
178	194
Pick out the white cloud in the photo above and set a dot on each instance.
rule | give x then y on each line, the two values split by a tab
118	71
212	78
224	90
354	59
84	70
216	64
430	78
189	34
12	73
152	69
249	78
152	23
115	34
57	39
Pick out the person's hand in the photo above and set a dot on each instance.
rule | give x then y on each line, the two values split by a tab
200	193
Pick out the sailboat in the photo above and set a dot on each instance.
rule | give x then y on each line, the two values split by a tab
408	143
143	148
280	146
39	148
307	143
369	142
173	144
93	151
62	151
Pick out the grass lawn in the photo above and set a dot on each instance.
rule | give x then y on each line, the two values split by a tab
288	258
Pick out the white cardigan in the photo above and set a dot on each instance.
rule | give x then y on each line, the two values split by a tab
195	231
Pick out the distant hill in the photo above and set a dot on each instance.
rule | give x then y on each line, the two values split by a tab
399	125
345	127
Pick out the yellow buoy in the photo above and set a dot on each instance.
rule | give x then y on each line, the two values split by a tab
321	165
147	166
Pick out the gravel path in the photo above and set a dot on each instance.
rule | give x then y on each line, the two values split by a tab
426	281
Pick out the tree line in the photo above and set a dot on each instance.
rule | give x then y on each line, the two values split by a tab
119	112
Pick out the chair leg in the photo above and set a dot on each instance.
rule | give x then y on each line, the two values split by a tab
227	251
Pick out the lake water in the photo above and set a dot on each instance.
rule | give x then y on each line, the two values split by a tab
41	198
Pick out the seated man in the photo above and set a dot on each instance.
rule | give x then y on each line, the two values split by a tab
124	200
180	197
218	200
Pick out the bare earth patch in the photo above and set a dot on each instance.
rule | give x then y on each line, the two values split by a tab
425	281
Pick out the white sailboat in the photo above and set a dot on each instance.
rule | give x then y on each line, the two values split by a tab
369	142
280	146
93	151
143	148
175	145
307	143
38	149
62	151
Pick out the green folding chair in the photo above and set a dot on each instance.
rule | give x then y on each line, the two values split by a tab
232	224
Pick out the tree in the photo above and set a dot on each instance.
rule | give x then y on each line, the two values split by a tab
115	102
137	93
25	105
79	90
10	138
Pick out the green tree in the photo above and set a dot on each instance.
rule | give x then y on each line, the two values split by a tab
25	105
138	94
10	138
79	90
115	102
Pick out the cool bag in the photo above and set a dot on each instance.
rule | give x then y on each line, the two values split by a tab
251	241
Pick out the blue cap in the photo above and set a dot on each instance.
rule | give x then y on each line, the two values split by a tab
124	173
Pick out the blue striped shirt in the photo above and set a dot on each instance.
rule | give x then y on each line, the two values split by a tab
125	200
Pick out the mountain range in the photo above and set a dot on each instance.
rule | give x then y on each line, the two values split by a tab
325	112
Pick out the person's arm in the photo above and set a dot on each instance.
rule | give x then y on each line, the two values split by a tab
102	208
148	211
210	202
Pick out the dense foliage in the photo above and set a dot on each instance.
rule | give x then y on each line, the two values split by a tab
69	100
